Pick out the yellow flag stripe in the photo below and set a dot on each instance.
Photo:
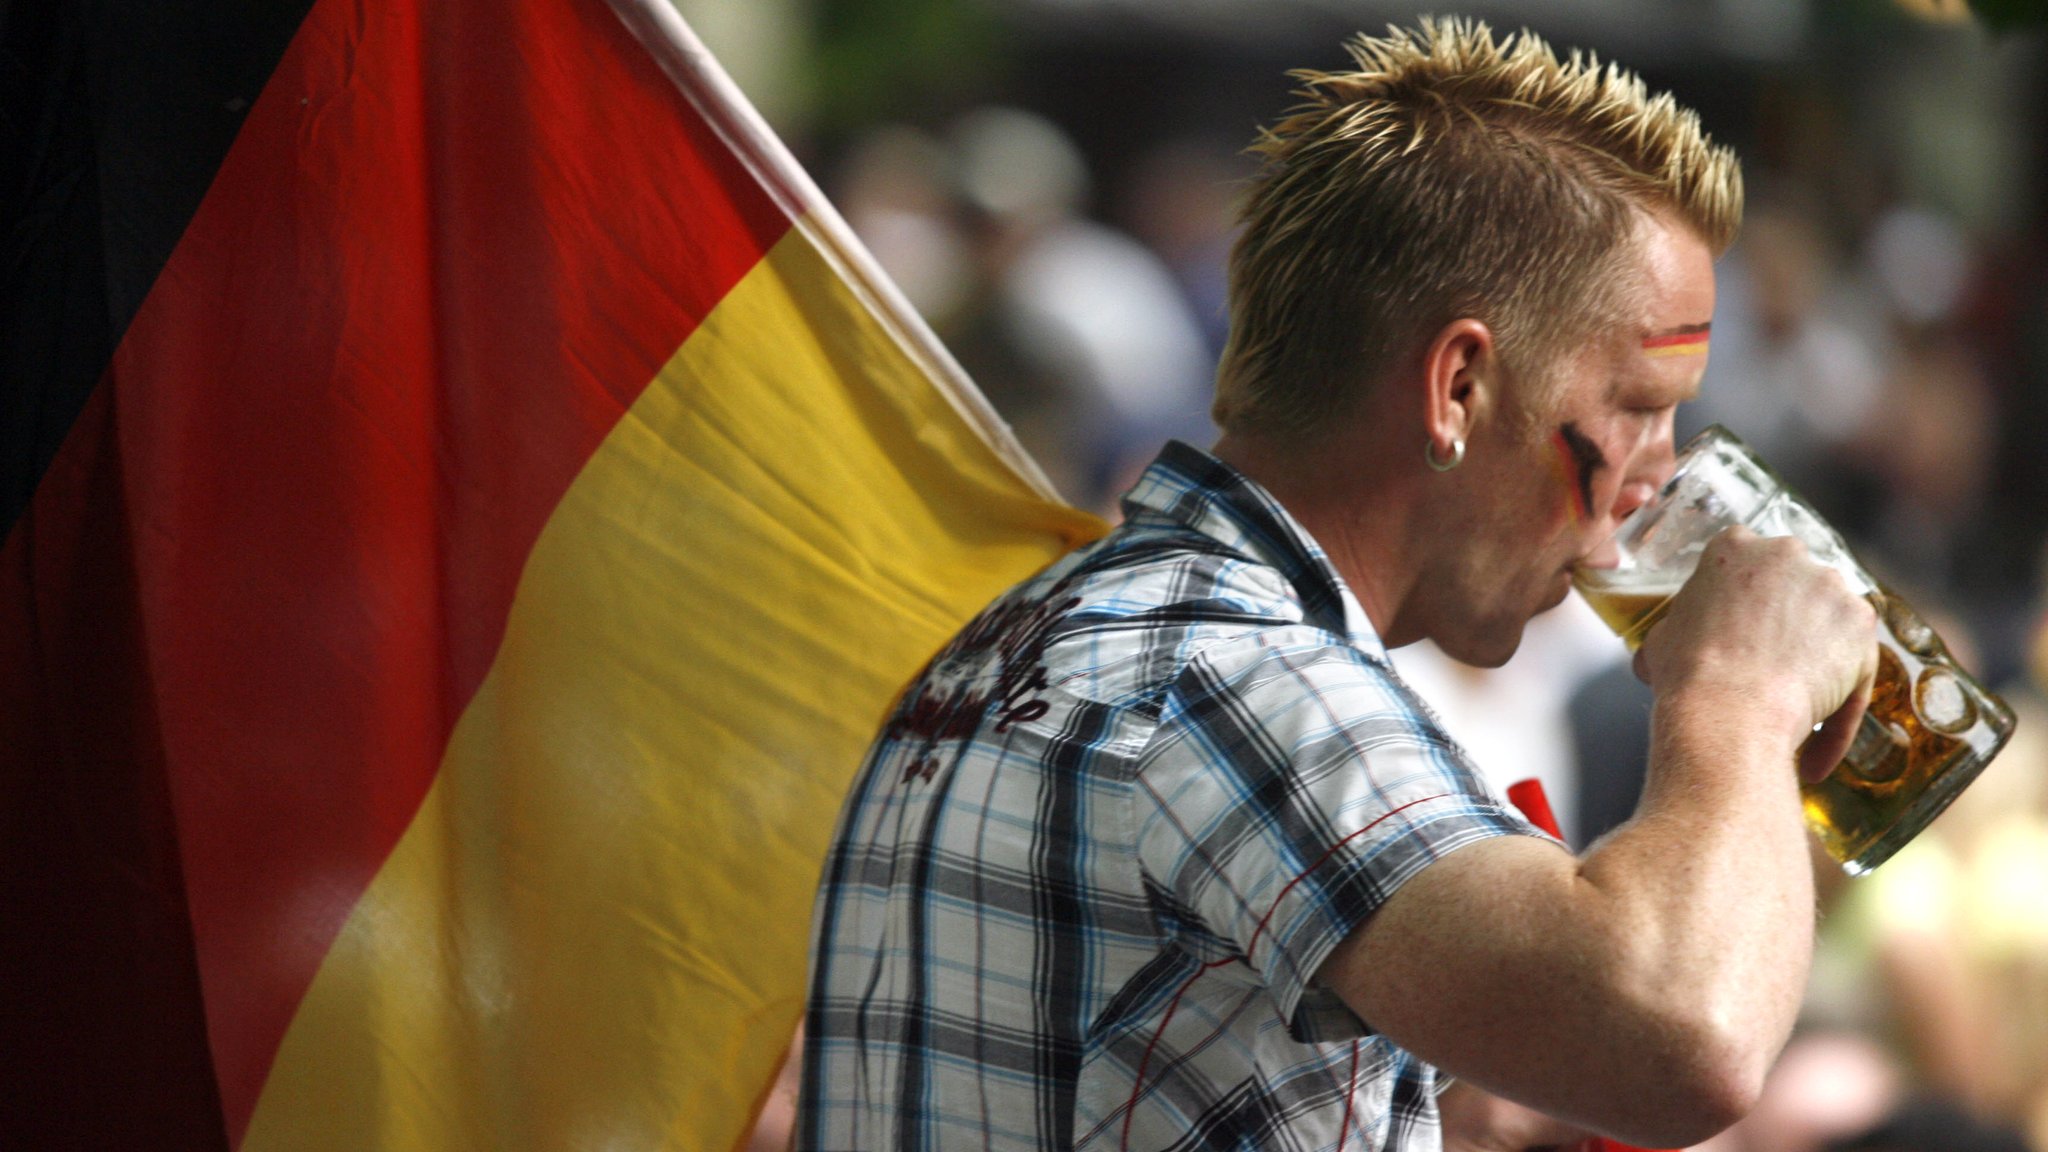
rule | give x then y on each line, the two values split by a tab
593	933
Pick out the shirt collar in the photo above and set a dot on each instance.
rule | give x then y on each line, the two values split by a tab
1187	487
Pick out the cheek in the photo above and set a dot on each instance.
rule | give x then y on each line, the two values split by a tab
1536	509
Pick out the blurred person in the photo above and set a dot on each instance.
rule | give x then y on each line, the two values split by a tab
901	191
1160	851
1840	1092
1082	304
1828	1085
1932	1126
2010	323
1075	332
1183	205
1958	939
896	189
1934	451
1797	357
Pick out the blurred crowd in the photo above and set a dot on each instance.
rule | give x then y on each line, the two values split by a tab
1881	338
1095	343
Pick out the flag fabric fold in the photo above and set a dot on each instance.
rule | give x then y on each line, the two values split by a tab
431	658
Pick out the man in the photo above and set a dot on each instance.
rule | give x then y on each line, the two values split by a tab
1161	853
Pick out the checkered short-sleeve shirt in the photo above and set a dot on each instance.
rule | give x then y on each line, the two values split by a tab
1082	885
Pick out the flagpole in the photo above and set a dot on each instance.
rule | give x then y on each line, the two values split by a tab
661	29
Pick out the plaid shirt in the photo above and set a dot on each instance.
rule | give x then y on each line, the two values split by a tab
1082	883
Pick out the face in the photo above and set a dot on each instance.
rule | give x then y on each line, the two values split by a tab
1549	497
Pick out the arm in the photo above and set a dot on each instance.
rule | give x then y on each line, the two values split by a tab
1643	990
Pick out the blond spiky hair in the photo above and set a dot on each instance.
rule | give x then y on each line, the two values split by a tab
1450	175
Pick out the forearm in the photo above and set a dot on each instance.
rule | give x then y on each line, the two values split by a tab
1705	899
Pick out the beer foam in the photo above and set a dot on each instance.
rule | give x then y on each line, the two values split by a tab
1630	581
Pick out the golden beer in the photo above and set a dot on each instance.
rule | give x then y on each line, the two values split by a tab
1929	731
1627	608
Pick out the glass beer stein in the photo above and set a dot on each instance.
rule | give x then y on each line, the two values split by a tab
1931	727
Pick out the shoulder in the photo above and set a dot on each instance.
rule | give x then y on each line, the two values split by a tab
1135	609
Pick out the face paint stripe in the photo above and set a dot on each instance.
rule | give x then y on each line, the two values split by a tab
1561	464
1578	458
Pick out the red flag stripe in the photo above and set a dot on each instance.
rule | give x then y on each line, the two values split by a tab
426	283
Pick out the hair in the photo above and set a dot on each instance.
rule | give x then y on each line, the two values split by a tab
1451	175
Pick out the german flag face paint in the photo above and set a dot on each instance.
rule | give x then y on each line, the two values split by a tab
1684	340
1577	460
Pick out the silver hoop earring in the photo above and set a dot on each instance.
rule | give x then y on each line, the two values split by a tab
1457	455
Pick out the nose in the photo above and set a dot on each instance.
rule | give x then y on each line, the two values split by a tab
1634	494
1650	467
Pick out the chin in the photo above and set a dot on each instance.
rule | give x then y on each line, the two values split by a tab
1489	649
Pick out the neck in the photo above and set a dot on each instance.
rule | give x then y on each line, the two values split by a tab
1358	505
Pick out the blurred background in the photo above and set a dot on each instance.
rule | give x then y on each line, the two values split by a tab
1052	183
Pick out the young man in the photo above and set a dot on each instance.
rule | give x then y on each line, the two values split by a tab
1160	852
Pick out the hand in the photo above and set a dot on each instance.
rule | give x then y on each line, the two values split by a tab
1477	1121
1783	635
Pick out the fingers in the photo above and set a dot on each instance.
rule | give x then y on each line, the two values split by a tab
1826	747
1760	614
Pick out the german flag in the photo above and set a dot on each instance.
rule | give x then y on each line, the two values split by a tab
467	504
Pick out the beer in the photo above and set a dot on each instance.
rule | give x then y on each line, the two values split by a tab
1928	732
1627	604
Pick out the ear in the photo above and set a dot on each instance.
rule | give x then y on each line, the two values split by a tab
1459	379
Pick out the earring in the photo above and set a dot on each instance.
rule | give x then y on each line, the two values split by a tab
1457	455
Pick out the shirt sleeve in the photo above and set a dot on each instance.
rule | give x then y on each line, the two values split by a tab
1293	784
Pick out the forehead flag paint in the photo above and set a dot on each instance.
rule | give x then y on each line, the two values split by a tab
1684	340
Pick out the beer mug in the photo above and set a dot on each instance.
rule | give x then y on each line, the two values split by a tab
1931	727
